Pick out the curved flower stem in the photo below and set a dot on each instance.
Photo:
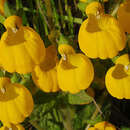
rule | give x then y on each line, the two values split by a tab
98	108
87	127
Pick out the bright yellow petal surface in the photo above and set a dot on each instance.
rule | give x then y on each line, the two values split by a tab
21	51
101	37
2	6
75	74
45	75
94	8
87	0
65	49
13	22
14	127
14	99
103	126
124	15
46	80
118	77
92	128
124	60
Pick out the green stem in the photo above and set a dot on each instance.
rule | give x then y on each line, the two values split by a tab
49	13
66	117
55	15
68	10
114	12
75	4
61	14
97	106
102	99
46	24
18	4
75	20
34	123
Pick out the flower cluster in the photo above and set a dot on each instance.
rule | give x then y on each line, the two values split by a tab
23	51
103	36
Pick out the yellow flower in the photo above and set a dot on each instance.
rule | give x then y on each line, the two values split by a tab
100	35
12	127
103	126
118	77
21	48
45	75
2	2
16	102
75	71
124	15
83	0
87	0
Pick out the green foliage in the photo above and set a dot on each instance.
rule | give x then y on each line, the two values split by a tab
60	111
7	9
125	128
79	98
45	111
2	19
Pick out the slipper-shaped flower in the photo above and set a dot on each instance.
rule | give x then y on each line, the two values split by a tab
117	78
16	102
124	15
100	35
45	74
75	71
21	48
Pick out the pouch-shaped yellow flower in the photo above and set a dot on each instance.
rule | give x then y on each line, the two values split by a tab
103	126
13	127
87	0
2	2
124	15
75	72
100	35
117	78
21	48
45	74
16	102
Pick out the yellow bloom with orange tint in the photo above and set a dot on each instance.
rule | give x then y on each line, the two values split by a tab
124	15
103	126
13	127
45	74
16	102
21	48
118	77
2	2
100	36
75	71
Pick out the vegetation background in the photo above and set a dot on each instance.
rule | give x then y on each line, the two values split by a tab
64	111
